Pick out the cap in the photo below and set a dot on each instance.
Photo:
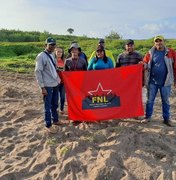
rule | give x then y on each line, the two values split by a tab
74	45
158	37
101	40
129	41
100	48
50	40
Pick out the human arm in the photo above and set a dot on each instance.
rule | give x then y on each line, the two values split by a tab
39	67
118	62
85	65
146	60
90	65
174	67
66	65
111	65
92	56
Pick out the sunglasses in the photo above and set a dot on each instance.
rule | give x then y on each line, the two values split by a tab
158	40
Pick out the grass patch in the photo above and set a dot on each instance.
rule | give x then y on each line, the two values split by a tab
20	56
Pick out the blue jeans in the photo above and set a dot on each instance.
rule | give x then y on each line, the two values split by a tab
165	92
62	96
51	105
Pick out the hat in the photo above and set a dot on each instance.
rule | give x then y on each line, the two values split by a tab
129	41
158	37
100	47
101	41
74	45
50	40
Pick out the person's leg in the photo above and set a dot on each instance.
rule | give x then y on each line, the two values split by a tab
144	95
151	94
47	107
54	104
165	92
62	97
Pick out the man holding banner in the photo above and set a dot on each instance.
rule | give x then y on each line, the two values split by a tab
160	67
104	94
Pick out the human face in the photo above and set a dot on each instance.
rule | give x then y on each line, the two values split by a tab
100	53
129	47
74	52
50	47
159	44
102	44
58	52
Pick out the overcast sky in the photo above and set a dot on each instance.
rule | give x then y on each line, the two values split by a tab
136	19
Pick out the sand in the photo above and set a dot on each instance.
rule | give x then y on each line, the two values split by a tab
108	150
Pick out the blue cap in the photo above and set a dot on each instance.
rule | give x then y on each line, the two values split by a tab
50	40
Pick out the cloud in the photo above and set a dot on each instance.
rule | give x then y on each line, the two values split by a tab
94	18
151	28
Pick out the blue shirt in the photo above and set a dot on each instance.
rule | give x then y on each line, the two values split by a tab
158	68
100	64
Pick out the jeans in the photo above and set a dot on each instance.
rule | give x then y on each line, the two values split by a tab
62	96
51	105
165	92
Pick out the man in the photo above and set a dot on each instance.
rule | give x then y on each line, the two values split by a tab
48	80
75	62
129	56
108	53
160	66
81	53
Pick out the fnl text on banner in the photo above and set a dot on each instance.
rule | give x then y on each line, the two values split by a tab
104	94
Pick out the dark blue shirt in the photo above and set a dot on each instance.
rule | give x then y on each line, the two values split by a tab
158	68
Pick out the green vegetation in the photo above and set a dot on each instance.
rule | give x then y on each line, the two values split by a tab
19	49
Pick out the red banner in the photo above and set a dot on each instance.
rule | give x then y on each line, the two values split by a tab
104	94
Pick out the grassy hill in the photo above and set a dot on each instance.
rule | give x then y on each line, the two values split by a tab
20	56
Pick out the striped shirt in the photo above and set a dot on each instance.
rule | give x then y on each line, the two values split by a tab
126	59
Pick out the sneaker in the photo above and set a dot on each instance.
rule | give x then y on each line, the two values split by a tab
167	123
51	130
146	120
58	123
76	123
140	118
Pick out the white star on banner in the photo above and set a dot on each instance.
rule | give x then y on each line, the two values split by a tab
99	87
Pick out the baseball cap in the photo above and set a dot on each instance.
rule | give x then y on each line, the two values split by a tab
101	40
50	40
159	37
129	41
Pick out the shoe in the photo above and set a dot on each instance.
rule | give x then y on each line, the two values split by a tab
51	130
140	118
167	123
76	123
146	120
58	123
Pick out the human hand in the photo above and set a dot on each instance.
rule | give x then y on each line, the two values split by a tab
44	92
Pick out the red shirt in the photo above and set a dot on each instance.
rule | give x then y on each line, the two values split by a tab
60	65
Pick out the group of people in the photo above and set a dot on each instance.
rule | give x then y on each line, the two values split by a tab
159	73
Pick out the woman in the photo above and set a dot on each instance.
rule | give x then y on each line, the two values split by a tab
59	52
75	63
101	61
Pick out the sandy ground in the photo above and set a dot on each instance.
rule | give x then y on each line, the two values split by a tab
111	150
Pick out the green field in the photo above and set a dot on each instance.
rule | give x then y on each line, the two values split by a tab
20	56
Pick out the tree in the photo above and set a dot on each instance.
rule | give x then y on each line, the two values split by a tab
70	30
113	35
